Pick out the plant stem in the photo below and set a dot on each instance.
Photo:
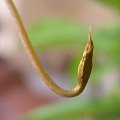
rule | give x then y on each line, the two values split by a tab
84	68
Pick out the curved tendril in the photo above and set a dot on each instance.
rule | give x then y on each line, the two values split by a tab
84	68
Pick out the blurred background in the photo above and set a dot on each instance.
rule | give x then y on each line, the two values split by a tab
58	30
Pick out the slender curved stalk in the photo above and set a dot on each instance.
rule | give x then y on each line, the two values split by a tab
84	68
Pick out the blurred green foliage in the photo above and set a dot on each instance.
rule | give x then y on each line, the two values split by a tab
53	32
112	3
105	109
